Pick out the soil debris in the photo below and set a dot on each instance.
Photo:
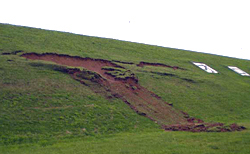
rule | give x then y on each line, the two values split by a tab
112	80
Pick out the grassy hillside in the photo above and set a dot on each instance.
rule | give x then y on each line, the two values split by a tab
44	106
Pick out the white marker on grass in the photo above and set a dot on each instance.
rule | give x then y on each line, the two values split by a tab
205	67
239	71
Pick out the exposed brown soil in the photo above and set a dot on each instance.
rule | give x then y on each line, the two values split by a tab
141	100
142	64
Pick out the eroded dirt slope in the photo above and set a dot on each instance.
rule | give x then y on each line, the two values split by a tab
123	84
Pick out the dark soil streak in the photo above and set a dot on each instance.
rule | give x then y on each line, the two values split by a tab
122	62
141	100
12	53
170	75
142	64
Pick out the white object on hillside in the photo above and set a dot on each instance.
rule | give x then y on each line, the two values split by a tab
239	71
205	67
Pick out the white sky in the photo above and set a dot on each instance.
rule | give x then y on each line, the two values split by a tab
220	27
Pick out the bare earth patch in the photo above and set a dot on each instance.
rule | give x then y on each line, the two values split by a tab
123	84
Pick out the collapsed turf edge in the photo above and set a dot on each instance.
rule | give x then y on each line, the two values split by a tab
123	84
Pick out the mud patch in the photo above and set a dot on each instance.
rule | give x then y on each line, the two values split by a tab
112	80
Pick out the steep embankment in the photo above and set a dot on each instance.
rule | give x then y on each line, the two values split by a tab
123	84
53	105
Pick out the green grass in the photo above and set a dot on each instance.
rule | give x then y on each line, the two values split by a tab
43	110
147	142
38	103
